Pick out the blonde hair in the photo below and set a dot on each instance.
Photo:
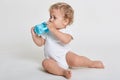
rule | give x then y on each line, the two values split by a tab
66	9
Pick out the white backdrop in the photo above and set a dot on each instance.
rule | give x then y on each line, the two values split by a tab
96	27
96	21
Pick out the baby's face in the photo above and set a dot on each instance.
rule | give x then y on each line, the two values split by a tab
57	19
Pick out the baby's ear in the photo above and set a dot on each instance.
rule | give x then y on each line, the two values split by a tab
66	21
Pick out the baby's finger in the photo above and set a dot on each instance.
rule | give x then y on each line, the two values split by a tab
32	31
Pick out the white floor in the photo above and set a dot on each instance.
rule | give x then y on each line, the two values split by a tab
24	64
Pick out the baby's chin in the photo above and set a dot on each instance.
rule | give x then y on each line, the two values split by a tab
58	28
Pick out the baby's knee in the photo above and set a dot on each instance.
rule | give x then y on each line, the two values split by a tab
46	63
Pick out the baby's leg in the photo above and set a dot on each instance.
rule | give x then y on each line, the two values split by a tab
52	67
75	60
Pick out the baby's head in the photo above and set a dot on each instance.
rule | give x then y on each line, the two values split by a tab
65	9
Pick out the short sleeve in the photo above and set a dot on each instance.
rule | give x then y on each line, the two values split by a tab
67	31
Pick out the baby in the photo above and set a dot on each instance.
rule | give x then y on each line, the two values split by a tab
58	55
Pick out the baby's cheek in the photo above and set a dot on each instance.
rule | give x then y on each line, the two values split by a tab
55	25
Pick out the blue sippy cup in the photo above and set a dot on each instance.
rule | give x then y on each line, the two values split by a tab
41	28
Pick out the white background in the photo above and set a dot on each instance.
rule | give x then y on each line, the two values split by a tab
96	31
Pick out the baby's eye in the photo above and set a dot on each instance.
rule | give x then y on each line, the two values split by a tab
54	17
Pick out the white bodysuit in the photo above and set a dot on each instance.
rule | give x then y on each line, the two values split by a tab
56	50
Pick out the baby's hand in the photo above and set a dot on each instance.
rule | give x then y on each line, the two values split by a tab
51	26
32	32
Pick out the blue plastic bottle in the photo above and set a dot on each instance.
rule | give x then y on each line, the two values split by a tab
41	28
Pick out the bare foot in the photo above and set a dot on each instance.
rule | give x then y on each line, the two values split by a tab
67	74
97	64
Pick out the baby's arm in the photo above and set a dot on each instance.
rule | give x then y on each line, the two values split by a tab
63	37
38	40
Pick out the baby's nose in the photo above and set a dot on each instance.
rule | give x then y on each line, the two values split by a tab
51	19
